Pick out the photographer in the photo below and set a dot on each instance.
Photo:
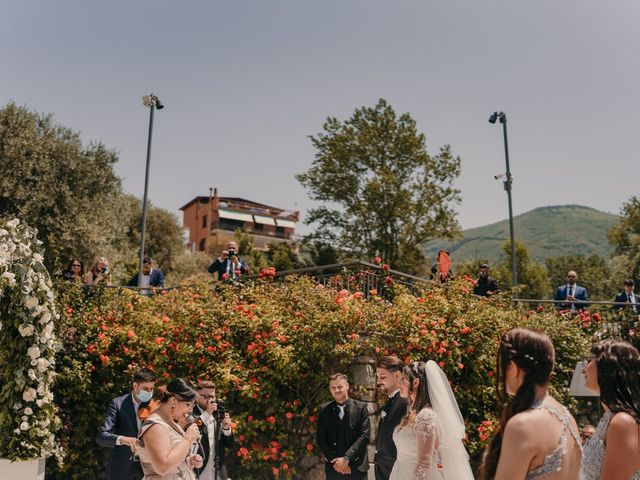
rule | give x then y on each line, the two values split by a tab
99	273
216	432
229	265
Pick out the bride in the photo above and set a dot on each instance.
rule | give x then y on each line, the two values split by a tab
429	437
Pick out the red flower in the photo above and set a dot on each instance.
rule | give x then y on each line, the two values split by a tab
385	267
377	260
388	280
225	276
312	419
309	447
271	419
289	415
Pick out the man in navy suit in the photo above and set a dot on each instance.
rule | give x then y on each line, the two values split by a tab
229	266
576	297
151	277
632	299
119	431
388	375
343	433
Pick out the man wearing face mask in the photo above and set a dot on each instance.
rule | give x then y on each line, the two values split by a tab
119	431
485	285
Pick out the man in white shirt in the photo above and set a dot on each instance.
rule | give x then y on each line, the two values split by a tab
216	432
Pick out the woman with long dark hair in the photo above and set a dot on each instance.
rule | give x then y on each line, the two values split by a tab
537	436
75	271
167	451
432	430
612	369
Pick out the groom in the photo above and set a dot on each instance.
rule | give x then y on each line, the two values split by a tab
388	374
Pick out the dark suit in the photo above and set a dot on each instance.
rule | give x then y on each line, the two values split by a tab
120	420
348	437
579	293
386	453
222	266
156	280
622	297
222	442
485	285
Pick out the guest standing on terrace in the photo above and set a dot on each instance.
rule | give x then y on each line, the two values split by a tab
576	297
229	265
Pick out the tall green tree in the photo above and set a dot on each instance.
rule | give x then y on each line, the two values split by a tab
532	276
381	191
71	194
625	238
51	180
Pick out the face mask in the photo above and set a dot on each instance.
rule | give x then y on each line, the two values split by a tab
144	396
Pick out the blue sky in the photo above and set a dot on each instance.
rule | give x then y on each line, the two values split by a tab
246	82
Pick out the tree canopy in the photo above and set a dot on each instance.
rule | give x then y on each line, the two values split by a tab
625	237
382	193
72	195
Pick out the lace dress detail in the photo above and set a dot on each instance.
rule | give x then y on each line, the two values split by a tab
553	462
594	451
417	446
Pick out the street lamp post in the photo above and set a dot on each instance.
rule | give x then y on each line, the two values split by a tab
152	102
507	186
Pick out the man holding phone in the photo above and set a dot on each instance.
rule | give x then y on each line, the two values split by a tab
216	432
229	265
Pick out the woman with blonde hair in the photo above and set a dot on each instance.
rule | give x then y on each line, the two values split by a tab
99	273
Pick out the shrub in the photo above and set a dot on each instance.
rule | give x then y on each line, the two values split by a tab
270	347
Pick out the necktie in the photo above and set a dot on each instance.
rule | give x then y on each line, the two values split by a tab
341	412
628	298
570	292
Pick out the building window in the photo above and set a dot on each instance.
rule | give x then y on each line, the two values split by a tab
280	232
258	227
204	222
203	245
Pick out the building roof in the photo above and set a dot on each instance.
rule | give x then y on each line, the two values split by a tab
244	204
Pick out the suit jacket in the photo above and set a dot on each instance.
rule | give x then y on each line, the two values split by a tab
579	293
220	266
156	280
622	297
358	433
223	441
120	419
386	451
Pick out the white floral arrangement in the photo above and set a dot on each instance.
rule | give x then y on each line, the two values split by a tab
28	344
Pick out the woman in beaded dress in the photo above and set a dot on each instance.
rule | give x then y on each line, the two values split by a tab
537	437
612	369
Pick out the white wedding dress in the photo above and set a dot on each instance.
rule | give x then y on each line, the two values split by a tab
417	446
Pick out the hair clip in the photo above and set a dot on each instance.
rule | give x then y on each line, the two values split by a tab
530	358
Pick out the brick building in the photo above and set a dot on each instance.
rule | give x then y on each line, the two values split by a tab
213	220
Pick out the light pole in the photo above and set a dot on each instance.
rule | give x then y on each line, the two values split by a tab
507	186
152	102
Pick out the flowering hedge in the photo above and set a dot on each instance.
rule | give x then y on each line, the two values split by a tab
270	347
27	347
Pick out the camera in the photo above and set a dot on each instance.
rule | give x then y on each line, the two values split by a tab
222	409
105	270
233	253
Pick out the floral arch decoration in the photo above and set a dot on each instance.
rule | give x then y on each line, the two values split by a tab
28	345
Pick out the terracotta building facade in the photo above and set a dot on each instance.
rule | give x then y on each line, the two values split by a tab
213	220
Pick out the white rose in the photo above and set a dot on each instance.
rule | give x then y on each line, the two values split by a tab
10	277
38	258
33	352
42	389
46	317
26	329
13	223
39	403
28	411
31	302
29	395
43	364
24	426
31	373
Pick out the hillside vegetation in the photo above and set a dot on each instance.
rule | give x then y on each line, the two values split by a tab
547	232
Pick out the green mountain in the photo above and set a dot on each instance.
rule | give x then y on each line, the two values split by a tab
547	232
